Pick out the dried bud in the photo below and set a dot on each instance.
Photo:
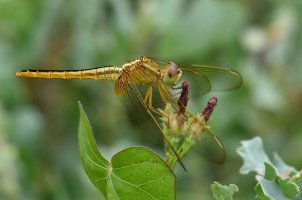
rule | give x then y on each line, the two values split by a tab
180	120
183	98
185	85
206	113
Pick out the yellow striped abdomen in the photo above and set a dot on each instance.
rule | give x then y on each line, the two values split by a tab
100	73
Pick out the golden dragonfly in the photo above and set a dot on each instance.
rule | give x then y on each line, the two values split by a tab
146	84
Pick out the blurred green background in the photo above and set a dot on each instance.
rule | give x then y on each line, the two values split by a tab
39	157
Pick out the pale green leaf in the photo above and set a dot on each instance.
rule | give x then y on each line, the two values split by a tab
277	189
222	192
271	190
283	169
253	156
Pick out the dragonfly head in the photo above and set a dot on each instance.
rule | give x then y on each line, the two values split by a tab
171	74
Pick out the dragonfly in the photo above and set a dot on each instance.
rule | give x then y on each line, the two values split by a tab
145	84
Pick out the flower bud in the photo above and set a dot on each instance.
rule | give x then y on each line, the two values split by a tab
206	113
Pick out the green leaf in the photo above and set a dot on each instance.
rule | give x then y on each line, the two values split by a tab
274	187
290	189
138	173
253	156
222	192
95	165
297	179
135	173
260	193
270	172
275	182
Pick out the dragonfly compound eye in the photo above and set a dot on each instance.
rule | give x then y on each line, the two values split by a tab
172	70
172	74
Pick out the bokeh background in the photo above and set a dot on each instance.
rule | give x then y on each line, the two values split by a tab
39	157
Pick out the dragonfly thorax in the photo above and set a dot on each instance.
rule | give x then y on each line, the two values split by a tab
142	71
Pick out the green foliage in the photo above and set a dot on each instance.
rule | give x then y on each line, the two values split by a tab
276	180
272	186
96	166
222	192
134	173
38	118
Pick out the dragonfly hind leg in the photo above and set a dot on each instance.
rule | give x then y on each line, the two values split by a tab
148	97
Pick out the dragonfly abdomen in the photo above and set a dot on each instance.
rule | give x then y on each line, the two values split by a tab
100	73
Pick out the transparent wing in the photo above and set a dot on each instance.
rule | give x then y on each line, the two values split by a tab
209	146
207	78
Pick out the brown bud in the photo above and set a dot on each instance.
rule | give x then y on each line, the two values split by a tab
206	113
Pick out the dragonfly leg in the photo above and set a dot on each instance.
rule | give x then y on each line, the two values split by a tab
150	108
148	97
148	101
